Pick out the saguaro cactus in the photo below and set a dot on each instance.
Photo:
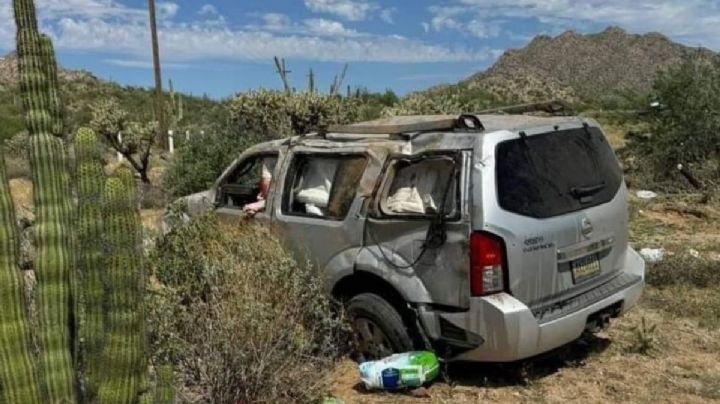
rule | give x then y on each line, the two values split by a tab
90	180
52	198
124	346
18	380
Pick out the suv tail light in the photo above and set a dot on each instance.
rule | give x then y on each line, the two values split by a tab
487	264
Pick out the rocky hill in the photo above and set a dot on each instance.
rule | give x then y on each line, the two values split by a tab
581	67
9	72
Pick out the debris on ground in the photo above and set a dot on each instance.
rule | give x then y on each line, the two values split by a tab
652	255
646	195
694	253
400	371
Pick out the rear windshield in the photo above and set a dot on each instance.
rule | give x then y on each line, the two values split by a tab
556	173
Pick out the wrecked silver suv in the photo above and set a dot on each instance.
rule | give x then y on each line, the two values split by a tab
488	237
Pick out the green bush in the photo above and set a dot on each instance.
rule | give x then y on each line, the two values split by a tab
239	319
685	129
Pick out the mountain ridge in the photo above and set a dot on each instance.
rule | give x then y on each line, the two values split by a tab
581	67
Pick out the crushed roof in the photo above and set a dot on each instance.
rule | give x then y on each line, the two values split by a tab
425	123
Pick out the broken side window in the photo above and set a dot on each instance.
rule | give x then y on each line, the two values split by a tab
249	182
323	186
418	187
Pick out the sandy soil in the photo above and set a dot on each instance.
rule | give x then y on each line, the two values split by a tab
683	366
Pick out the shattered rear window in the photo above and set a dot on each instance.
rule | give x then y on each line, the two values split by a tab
556	173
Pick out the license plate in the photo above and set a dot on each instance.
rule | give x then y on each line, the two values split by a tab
585	268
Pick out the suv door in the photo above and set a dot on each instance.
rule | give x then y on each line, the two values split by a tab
404	231
319	212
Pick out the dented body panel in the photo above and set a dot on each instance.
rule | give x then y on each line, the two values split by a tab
542	306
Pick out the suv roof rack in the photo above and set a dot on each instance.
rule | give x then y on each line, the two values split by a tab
554	107
397	125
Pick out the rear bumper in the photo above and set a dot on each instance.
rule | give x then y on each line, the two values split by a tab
506	330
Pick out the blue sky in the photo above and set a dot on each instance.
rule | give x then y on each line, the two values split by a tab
219	47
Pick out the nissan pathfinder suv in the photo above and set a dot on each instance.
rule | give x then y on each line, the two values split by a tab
487	237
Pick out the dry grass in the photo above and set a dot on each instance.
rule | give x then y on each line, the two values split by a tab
682	367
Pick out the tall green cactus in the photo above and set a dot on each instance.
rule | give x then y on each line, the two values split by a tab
18	374
104	298
52	198
90	180
124	346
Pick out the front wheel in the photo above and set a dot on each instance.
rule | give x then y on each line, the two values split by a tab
378	328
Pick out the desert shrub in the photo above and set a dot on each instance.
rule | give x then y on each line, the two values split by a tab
15	150
684	269
240	320
685	129
277	114
686	286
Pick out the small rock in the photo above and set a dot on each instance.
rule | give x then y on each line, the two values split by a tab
694	253
646	195
653	255
420	392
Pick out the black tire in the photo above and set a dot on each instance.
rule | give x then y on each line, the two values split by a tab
378	328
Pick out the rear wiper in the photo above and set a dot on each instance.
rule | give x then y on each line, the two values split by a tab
585	191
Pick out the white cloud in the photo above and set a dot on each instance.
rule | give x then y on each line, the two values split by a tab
166	10
388	15
453	19
352	10
694	22
197	42
276	22
120	32
321	26
281	23
208	9
144	64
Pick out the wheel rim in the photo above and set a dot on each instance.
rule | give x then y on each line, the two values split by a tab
372	342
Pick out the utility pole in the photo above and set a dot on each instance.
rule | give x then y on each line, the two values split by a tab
159	102
311	81
280	64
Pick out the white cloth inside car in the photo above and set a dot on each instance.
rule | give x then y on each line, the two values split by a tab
316	183
417	187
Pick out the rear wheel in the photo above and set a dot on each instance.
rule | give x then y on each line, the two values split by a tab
378	328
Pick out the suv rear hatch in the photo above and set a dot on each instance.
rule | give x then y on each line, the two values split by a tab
560	206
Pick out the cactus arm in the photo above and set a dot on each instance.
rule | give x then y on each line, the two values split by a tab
90	180
53	266
124	345
54	104
18	373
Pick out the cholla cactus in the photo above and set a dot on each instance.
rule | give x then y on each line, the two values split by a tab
274	113
433	104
